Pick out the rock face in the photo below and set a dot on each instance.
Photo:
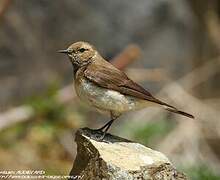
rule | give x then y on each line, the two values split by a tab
119	159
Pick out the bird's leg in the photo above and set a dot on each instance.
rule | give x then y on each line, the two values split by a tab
103	127
107	126
106	129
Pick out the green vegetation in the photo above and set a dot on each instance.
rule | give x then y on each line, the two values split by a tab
46	104
152	131
35	144
201	172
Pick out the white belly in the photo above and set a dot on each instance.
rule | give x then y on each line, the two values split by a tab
108	100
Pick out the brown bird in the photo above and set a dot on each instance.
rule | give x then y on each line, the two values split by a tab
103	86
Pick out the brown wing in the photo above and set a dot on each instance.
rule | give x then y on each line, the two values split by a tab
109	77
112	78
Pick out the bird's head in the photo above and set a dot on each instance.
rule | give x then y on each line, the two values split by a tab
80	53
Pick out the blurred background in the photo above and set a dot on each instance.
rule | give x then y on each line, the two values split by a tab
170	47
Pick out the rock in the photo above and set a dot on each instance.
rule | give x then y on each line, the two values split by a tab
118	159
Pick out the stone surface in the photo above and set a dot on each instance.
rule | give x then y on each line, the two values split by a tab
118	158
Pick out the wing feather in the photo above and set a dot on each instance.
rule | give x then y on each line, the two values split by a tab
112	78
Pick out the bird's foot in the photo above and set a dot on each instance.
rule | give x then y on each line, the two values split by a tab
103	130
99	136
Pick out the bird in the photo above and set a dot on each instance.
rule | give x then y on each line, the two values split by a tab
106	88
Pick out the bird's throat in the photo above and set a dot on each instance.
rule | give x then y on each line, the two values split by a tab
75	68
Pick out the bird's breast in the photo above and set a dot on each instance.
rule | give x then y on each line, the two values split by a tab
106	99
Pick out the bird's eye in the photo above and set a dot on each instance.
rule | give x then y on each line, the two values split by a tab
82	50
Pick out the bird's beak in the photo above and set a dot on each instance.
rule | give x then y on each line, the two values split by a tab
63	51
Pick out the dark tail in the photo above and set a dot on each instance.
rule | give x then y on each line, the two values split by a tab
174	110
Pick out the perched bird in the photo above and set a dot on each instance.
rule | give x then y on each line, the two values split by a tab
103	86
